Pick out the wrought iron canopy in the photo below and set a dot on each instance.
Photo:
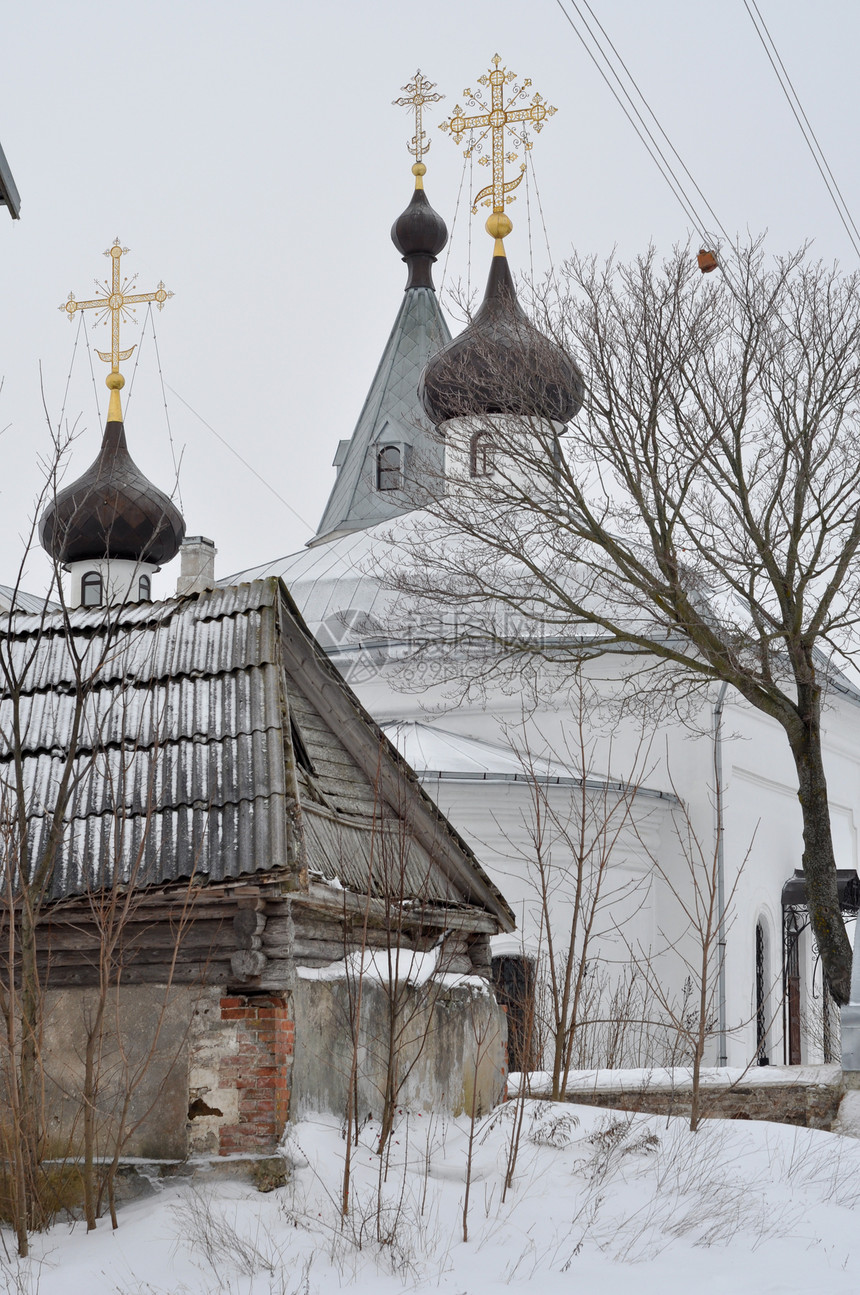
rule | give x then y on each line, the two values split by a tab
848	883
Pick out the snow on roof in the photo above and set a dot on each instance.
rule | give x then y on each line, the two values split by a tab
327	580
429	749
339	585
438	753
24	602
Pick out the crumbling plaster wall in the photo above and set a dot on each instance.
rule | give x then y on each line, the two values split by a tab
451	1043
208	1071
142	1061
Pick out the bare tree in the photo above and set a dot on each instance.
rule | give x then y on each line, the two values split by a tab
61	735
31	839
701	516
573	836
700	944
410	960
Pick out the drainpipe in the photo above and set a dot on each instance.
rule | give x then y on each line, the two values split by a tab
721	872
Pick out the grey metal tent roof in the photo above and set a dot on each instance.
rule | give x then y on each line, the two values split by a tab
9	196
391	414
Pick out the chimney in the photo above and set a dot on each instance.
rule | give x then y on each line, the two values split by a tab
198	565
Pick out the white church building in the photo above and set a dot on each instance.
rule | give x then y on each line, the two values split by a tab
559	797
625	843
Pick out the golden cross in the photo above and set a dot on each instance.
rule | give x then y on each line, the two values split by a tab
416	94
118	302
494	120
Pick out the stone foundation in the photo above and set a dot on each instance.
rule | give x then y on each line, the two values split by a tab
806	1096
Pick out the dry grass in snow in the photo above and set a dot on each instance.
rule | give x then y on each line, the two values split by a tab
598	1201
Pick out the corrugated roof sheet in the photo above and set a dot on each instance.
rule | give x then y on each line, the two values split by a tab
183	762
217	843
147	712
179	764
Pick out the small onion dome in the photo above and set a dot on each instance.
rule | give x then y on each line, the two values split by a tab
419	234
112	511
501	364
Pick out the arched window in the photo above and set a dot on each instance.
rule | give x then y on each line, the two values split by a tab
91	589
761	991
388	468
144	589
480	455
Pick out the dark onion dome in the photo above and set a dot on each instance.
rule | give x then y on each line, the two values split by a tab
501	364
419	234
112	511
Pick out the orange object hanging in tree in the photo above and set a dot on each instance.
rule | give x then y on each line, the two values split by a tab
707	261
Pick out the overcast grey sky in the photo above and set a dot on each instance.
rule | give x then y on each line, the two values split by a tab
249	155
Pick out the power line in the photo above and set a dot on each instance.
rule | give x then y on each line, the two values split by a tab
92	371
810	138
245	462
637	121
336	556
653	117
176	465
652	145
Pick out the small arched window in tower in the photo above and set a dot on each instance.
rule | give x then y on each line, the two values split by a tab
480	455
91	589
761	987
144	589
388	468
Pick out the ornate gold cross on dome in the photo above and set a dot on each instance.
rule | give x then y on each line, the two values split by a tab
116	302
416	94
494	120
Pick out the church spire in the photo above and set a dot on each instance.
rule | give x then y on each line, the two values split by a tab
394	446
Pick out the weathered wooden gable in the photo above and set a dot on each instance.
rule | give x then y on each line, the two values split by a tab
367	823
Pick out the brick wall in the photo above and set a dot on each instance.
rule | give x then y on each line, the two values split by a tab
259	1070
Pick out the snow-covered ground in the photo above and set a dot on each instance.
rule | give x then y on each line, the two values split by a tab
600	1202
